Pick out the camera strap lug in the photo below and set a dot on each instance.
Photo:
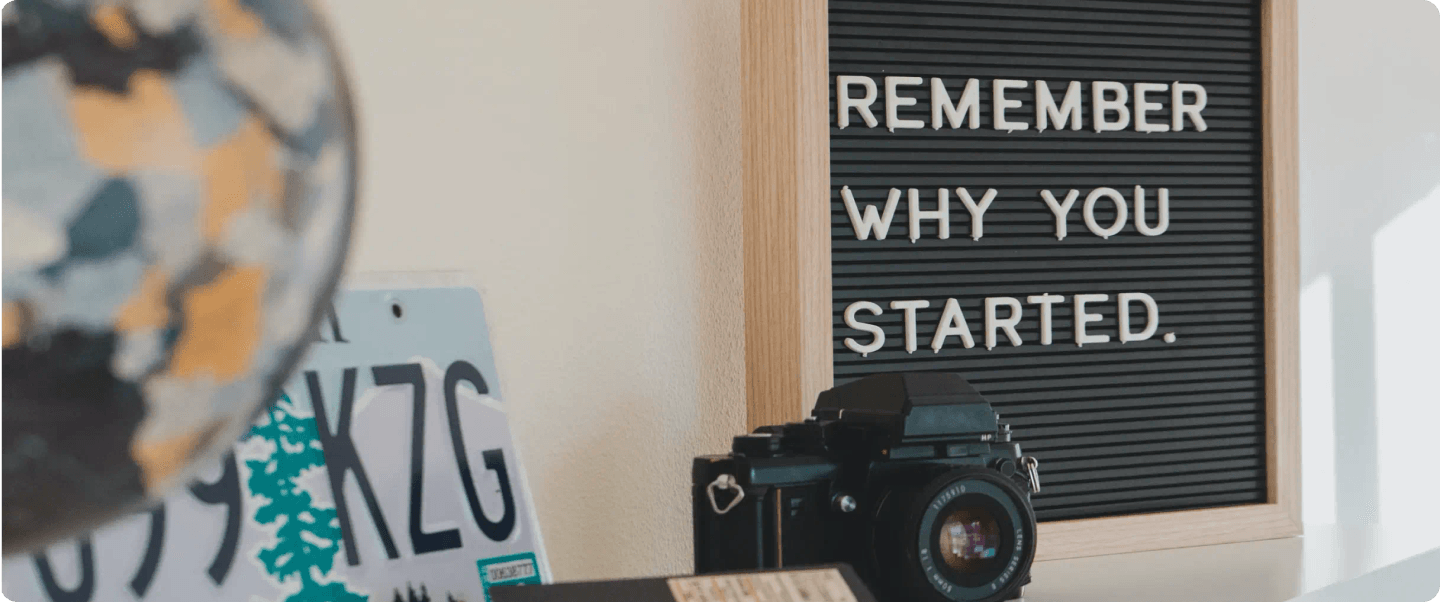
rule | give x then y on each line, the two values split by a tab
1032	469
725	481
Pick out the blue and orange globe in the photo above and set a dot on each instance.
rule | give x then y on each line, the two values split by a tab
179	183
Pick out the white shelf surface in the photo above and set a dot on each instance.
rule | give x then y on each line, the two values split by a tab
1327	564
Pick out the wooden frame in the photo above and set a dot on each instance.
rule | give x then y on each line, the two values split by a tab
788	352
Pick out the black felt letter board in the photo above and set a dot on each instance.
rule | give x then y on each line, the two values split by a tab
1119	428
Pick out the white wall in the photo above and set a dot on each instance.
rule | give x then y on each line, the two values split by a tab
582	160
1370	259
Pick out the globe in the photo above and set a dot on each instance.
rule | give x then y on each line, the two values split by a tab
179	184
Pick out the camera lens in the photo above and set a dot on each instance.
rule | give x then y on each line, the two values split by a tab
969	540
973	538
965	535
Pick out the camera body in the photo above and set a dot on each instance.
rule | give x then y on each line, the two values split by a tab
910	478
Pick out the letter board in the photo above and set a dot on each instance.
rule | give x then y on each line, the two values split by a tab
960	236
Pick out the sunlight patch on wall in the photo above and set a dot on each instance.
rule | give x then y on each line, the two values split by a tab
1317	403
1407	362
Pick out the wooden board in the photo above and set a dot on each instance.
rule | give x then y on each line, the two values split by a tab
787	255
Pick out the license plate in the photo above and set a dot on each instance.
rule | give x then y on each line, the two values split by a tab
386	462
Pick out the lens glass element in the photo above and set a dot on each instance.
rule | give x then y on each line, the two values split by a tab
970	540
973	539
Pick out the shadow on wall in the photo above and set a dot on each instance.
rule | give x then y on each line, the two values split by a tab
1370	245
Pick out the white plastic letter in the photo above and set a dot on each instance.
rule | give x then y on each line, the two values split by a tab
845	102
1046	314
1121	212
968	108
909	308
1143	108
993	324
977	211
1162	222
893	102
1082	318
1061	210
1102	105
952	322
1067	113
1001	104
872	221
1179	109
1151	323
879	341
941	215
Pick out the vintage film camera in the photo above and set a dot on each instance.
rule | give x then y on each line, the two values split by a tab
910	478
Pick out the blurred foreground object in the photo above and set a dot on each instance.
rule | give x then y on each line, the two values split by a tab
179	183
